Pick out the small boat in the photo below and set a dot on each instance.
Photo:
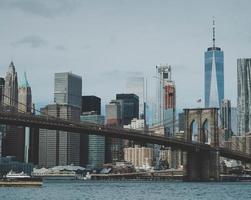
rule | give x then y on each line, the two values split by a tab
14	175
13	179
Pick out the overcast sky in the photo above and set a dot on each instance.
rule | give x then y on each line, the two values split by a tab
107	41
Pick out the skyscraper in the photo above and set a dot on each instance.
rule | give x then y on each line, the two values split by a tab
25	106
91	103
130	107
244	95
11	88
92	147
113	146
166	99
214	75
24	96
13	143
59	147
234	120
96	143
225	118
1	101
136	85
2	81
67	89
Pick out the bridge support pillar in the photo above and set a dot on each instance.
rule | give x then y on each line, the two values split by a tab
202	166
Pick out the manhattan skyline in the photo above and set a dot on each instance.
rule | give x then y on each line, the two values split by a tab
108	42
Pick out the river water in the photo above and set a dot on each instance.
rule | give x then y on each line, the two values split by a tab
126	190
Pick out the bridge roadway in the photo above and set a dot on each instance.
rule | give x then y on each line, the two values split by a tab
45	122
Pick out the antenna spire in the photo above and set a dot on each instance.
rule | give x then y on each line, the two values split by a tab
213	32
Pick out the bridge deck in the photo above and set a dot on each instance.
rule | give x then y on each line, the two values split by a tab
45	122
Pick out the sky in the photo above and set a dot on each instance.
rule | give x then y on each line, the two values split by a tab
106	42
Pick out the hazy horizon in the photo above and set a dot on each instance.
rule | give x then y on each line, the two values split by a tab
107	41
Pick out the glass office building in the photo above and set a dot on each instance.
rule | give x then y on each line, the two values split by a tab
96	144
214	75
244	95
67	89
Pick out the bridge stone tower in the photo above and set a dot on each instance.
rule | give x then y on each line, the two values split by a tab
201	125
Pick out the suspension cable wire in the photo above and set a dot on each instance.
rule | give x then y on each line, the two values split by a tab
43	114
46	116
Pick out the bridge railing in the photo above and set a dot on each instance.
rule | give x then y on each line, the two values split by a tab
15	112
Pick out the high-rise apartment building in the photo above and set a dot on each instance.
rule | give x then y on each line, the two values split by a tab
96	143
91	103
166	99
136	85
67	89
243	95
214	75
59	147
225	118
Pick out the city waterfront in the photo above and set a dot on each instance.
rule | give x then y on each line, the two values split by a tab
131	190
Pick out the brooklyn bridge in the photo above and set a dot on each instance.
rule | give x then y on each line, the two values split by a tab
202	156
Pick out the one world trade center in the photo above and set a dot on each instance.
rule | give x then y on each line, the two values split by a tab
214	75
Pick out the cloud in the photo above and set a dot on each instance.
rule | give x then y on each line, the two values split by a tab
60	47
43	8
33	41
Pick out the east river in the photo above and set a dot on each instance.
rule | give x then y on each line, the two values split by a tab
126	190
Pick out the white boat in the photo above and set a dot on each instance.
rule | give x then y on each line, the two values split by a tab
15	175
88	176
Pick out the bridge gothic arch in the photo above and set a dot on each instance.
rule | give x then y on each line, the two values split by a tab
201	125
206	134
194	130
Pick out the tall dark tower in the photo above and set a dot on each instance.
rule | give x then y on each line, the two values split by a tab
2	82
214	75
11	88
13	142
91	104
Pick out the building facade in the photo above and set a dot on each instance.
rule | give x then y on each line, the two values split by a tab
67	89
225	118
113	146
166	99
137	124
96	143
234	120
13	142
2	82
182	121
139	156
214	75
59	147
136	85
2	127
91	103
243	95
11	87
130	107
25	106
24	96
